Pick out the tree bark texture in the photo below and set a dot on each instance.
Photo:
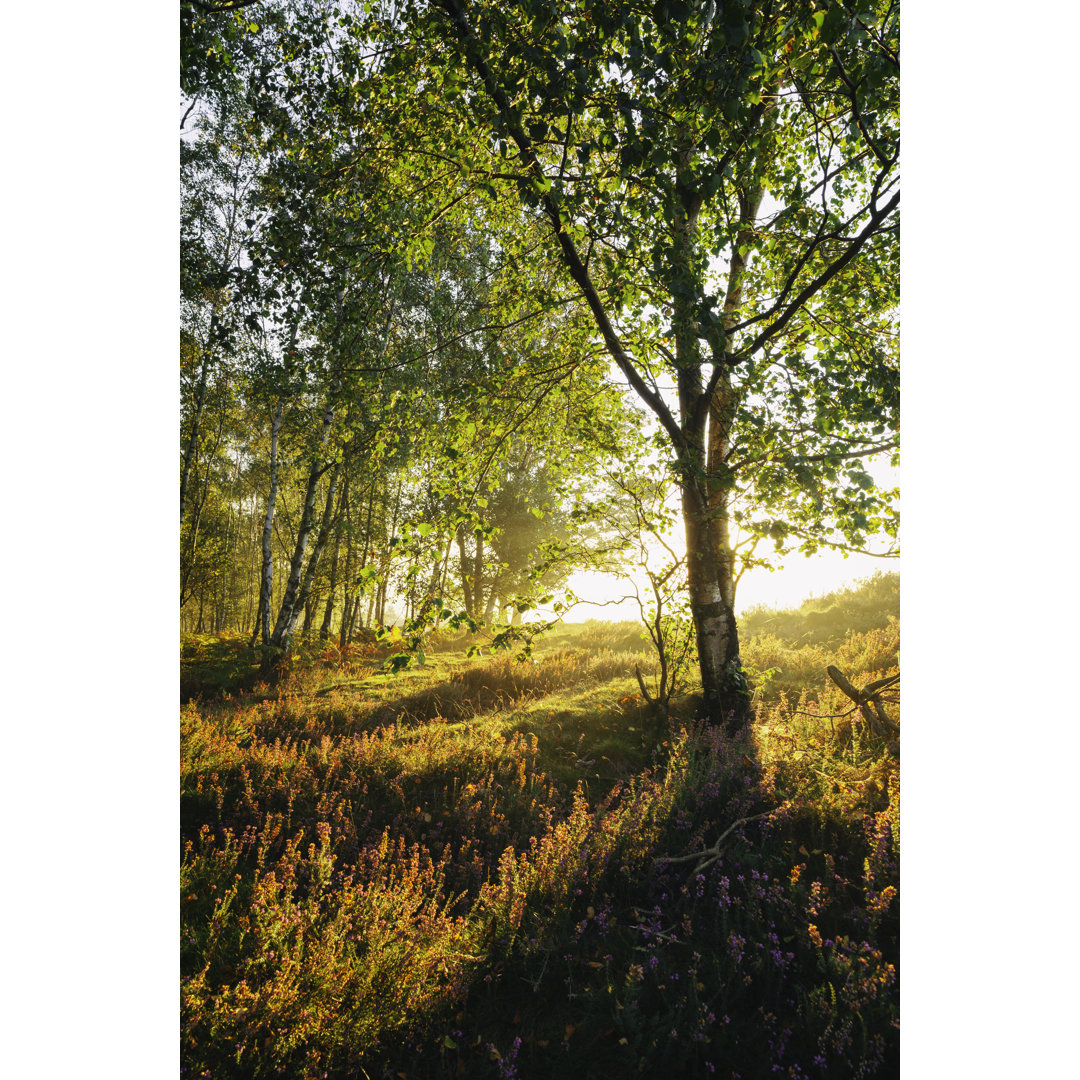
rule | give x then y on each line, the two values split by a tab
293	600
266	580
193	436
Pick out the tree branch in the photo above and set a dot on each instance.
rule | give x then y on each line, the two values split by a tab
571	258
856	245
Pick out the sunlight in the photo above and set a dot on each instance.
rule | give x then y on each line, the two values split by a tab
604	596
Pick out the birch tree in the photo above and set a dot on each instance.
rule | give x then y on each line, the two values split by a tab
720	184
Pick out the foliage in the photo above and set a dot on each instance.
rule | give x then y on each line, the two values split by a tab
415	238
720	185
870	603
371	885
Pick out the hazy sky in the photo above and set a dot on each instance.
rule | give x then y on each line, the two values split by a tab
799	577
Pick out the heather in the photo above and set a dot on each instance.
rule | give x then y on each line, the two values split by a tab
491	867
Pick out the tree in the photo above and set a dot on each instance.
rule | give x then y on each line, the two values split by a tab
720	184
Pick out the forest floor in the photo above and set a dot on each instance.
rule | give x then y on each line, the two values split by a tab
494	868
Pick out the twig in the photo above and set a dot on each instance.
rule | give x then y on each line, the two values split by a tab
823	716
713	851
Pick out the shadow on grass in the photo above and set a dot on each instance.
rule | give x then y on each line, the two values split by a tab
588	894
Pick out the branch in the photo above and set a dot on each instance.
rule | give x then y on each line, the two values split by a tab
641	683
711	854
231	5
879	154
856	245
879	723
569	250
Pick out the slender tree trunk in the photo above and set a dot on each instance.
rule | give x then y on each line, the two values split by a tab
266	580
290	609
349	587
309	610
302	599
196	426
298	582
346	614
252	575
708	555
478	578
328	613
384	568
489	607
445	565
466	576
368	544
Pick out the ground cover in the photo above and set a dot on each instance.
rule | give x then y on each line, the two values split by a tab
481	867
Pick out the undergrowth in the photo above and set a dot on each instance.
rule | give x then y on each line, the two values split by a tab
497	869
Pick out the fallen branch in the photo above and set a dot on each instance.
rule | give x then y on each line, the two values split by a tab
875	716
710	854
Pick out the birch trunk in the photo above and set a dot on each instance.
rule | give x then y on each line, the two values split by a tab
302	600
193	437
478	578
708	554
328	613
266	580
292	602
466	577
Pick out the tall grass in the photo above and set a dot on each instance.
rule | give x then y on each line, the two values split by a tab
494	870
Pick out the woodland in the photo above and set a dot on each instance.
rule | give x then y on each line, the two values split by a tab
475	296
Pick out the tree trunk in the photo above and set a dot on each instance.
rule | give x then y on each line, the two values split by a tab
196	424
478	578
347	589
328	614
266	581
302	599
708	556
466	576
489	608
298	583
364	558
715	629
252	574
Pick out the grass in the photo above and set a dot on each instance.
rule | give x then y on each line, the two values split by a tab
494	869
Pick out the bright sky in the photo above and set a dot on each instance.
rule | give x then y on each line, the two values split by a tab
800	578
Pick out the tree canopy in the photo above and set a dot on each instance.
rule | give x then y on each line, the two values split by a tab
459	245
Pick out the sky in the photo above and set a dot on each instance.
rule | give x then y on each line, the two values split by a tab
799	577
